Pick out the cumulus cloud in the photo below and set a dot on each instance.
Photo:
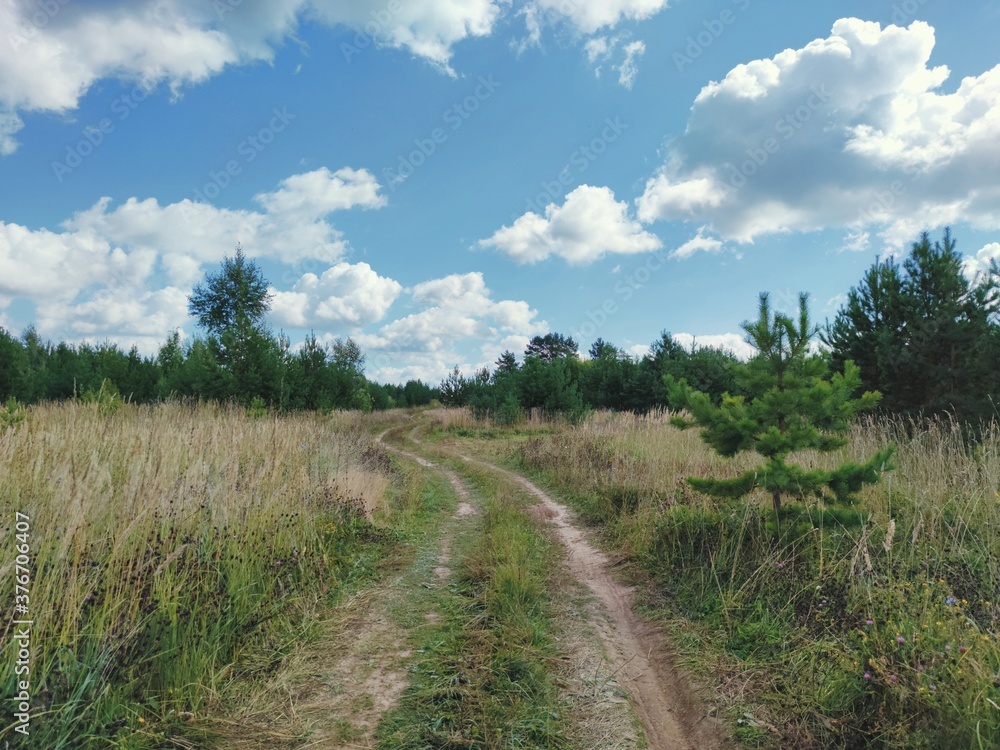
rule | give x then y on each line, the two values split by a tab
427	28
853	130
315	194
456	308
58	50
293	225
99	273
344	295
589	224
975	266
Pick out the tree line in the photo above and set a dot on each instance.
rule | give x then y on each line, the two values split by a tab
237	359
921	332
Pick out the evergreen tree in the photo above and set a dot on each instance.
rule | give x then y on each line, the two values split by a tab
551	346
795	405
14	371
869	329
921	332
506	363
454	389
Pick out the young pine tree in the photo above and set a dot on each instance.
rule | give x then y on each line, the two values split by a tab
794	405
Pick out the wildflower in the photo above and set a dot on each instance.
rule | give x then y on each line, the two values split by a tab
932	687
900	639
893	679
779	565
947	647
867	675
950	600
869	622
142	720
962	649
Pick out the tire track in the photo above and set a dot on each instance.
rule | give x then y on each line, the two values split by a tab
672	717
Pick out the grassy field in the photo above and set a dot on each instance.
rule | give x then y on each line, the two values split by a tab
180	554
874	626
177	553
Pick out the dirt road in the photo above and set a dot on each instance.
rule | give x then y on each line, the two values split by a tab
672	717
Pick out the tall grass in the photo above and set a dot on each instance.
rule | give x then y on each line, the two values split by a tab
874	626
175	549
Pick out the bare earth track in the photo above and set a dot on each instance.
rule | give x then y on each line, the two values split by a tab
338	690
672	717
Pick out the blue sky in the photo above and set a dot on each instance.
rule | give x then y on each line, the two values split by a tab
443	179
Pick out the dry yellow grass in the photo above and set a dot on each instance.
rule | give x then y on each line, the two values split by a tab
165	540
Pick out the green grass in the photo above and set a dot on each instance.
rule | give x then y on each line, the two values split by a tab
867	627
481	679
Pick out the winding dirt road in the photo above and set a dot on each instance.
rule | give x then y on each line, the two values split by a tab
673	718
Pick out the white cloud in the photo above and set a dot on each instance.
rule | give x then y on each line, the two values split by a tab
629	68
427	28
100	275
589	224
602	49
856	242
315	194
976	265
344	295
589	16
599	48
292	227
851	131
56	51
698	243
731	342
454	309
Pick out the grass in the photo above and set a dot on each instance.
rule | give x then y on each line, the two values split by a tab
482	677
873	626
177	551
